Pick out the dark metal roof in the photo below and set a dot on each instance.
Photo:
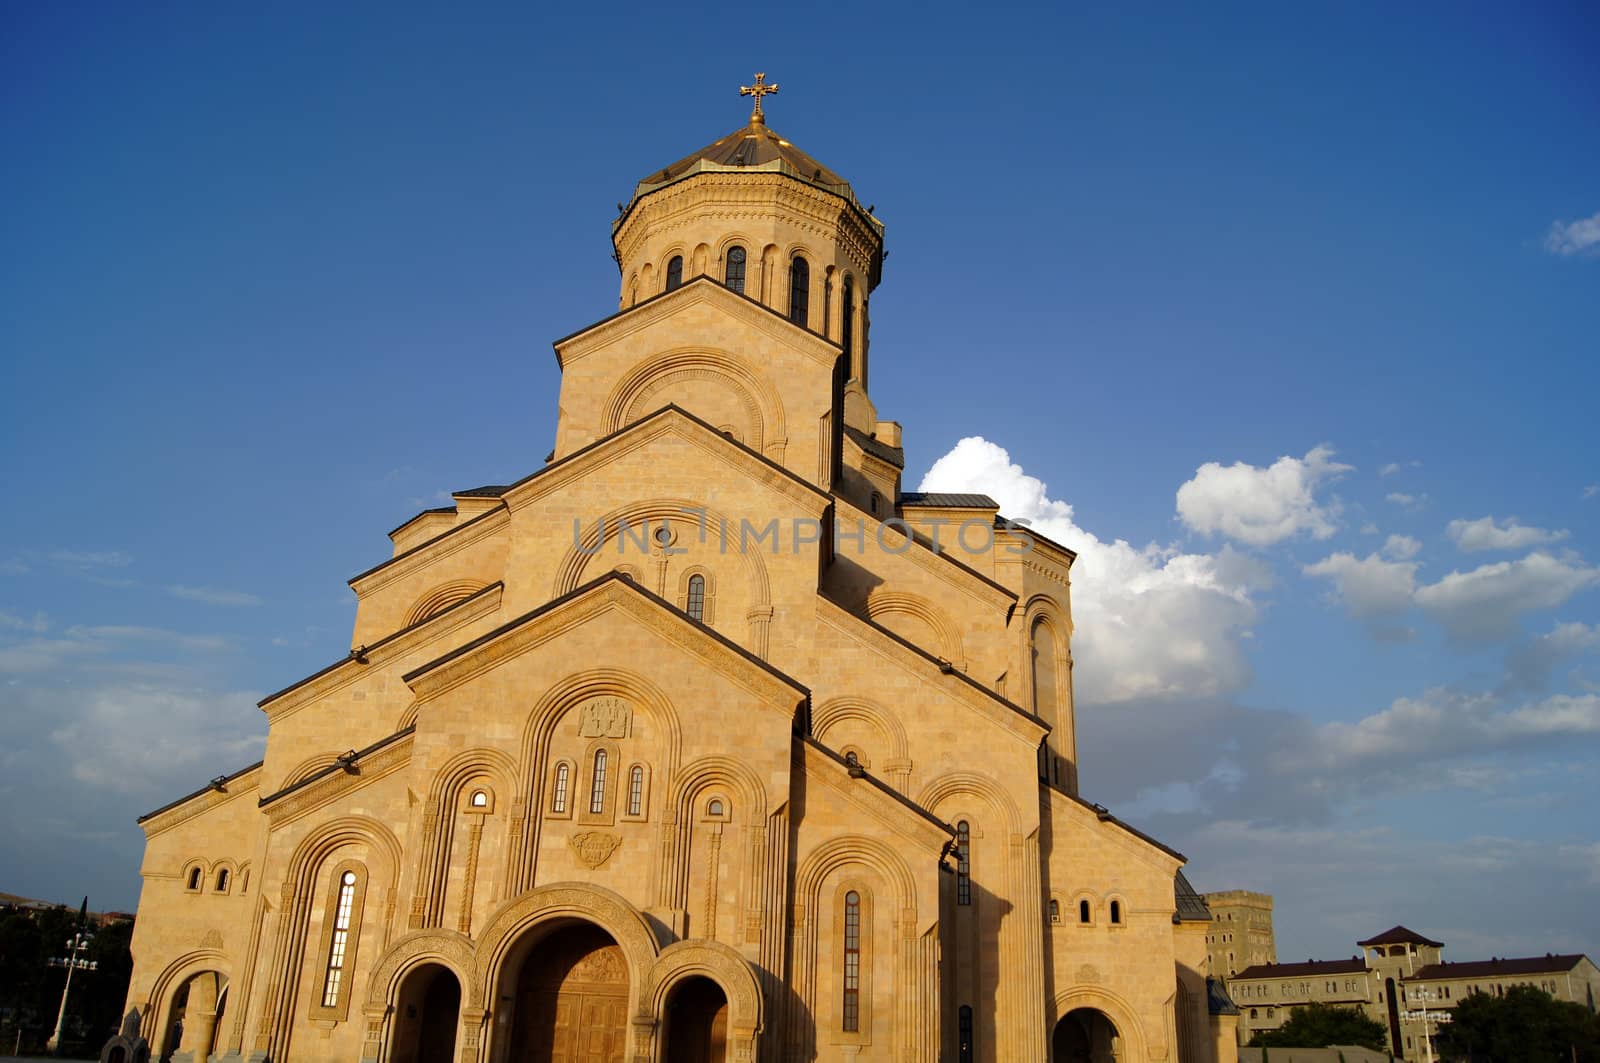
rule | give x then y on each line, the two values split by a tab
1399	935
1497	968
751	147
895	456
1190	904
487	491
1217	1000
343	764
940	499
1354	965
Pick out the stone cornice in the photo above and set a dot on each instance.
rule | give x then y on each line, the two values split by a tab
697	291
1010	717
381	654
668	421
914	823
1133	841
609	594
424	554
942	565
242	784
290	805
762	195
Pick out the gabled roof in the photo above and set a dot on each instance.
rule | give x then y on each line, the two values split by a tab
945	500
1498	968
623	590
1400	935
1217	1000
702	284
219	785
1191	906
895	456
1354	965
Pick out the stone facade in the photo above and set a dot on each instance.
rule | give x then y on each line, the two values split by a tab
1241	932
1402	981
696	743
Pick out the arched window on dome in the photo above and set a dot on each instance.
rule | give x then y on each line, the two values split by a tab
847	327
799	291
733	272
675	272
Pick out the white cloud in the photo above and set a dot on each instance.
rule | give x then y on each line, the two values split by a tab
1484	603
213	596
1575	237
91	558
1529	665
1591	491
1262	506
1406	501
1445	722
1396	466
1486	533
1369	586
1151	621
79	642
37	624
1401	547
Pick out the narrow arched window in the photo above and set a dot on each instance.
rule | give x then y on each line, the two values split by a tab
964	1028
1116	911
558	802
697	598
733	273
194	879
341	939
222	880
1055	911
244	881
1083	911
675	272
852	961
635	790
963	864
597	789
847	327
799	291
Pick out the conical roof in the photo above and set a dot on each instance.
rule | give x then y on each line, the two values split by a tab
752	148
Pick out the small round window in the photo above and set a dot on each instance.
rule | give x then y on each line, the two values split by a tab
480	799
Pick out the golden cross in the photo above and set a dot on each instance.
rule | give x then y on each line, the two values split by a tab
758	90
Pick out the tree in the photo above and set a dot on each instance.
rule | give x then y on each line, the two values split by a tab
1321	1025
1527	1025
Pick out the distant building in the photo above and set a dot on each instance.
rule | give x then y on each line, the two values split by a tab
1241	932
1401	981
11	902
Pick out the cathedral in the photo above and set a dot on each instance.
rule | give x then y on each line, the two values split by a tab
703	741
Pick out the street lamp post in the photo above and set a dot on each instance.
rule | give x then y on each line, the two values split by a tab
74	961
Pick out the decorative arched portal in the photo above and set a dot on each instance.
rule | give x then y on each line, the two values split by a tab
569	994
1085	1035
427	1015
696	1022
193	1016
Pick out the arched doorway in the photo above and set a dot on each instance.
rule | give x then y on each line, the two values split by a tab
1085	1035
697	1022
195	1015
571	999
427	1014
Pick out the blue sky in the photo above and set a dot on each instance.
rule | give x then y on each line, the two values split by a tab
274	279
